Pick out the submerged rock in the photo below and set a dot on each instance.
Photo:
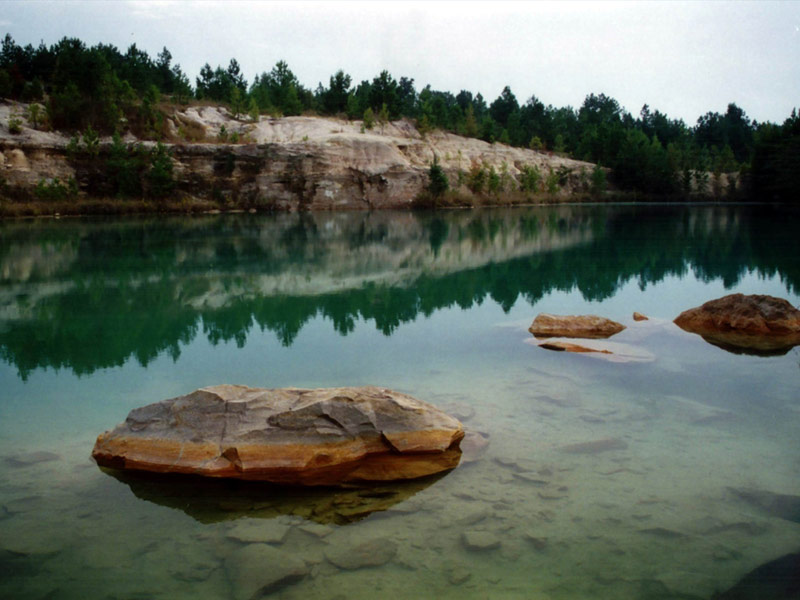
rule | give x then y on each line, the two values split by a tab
372	553
783	506
778	579
581	326
762	325
31	458
480	540
288	436
600	349
259	569
595	446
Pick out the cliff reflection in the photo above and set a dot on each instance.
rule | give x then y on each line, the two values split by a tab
85	295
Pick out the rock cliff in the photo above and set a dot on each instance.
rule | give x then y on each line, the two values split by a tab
288	163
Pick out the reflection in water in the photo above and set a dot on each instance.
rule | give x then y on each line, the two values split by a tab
158	283
214	500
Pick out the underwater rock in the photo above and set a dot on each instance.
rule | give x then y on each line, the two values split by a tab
287	436
259	569
31	458
757	324
267	532
474	446
571	326
783	506
480	540
595	446
778	579
372	553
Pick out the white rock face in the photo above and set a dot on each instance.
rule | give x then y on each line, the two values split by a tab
287	163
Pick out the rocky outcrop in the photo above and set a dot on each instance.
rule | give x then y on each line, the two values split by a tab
291	163
288	436
756	324
581	326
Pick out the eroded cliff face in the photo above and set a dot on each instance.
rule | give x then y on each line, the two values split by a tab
292	163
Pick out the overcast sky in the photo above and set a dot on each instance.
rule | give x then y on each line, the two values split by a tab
684	59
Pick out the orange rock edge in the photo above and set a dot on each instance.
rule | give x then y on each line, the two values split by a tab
377	459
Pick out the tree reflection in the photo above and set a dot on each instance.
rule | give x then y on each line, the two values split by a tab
93	294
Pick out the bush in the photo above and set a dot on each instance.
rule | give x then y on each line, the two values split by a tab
437	180
159	177
530	178
552	182
14	124
54	190
598	180
476	178
369	118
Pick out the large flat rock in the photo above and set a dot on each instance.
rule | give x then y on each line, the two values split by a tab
754	324
289	436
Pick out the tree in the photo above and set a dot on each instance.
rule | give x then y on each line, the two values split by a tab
369	118
334	99
437	180
159	177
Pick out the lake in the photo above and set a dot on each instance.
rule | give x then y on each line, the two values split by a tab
99	316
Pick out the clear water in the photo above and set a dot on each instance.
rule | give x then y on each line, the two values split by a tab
100	316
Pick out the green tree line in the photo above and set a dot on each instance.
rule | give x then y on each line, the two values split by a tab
110	90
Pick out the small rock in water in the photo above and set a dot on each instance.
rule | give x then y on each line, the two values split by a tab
475	516
580	326
258	569
540	543
269	532
473	446
637	316
480	540
372	553
595	446
457	573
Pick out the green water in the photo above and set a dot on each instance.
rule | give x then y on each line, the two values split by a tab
98	317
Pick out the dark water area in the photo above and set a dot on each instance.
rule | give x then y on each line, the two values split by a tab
99	316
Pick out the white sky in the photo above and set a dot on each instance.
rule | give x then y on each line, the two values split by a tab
682	58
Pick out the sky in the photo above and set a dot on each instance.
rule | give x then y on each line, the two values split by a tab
682	58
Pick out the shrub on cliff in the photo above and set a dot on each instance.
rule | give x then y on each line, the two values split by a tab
159	177
437	180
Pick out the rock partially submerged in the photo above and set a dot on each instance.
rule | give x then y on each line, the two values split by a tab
287	436
571	326
600	349
754	324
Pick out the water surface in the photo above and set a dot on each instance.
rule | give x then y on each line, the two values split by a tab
100	316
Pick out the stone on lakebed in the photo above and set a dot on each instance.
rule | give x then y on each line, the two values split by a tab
572	326
754	324
289	436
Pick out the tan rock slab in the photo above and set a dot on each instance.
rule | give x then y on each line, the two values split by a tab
288	436
574	326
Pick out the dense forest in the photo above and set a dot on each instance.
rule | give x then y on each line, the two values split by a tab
72	87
